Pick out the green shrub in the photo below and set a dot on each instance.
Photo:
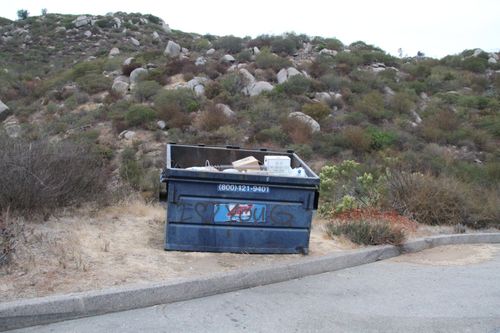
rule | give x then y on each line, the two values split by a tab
357	139
322	65
305	152
331	44
233	83
381	139
139	115
22	14
211	119
244	56
144	90
297	85
344	187
105	23
201	44
130	169
475	64
184	99
365	232
402	102
372	105
94	83
173	106
285	45
265	59
273	134
318	111
230	44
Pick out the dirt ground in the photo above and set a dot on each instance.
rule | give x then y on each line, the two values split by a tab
78	251
451	255
91	249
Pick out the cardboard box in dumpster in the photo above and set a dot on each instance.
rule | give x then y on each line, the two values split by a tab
247	163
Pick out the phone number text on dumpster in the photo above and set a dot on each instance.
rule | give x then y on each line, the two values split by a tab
242	188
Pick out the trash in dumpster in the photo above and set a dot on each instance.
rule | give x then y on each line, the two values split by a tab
274	165
247	163
277	164
251	210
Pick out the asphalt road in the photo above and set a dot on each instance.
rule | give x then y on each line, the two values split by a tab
388	296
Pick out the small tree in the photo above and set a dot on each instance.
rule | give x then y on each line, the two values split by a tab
44	11
22	14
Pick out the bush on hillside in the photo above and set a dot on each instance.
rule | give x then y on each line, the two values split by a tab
40	176
230	44
174	106
367	232
94	83
139	115
297	85
430	200
144	90
265	59
318	111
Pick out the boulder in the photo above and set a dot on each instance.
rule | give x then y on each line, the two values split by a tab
114	52
284	74
227	59
135	42
155	35
12	127
477	52
81	21
120	88
210	52
4	111
388	91
226	110
137	75
200	61
127	135
256	50
199	90
161	124
492	61
332	53
128	61
415	115
304	118
87	33
122	78
172	50
323	97
118	22
166	28
258	87
248	78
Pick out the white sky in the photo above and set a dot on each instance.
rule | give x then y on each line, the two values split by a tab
435	27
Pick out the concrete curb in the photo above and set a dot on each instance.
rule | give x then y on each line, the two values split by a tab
44	310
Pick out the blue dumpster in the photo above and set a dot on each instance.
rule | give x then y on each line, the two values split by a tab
236	212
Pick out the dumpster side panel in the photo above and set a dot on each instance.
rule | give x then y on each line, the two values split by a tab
188	237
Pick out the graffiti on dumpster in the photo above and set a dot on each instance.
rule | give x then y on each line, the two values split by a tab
234	213
237	212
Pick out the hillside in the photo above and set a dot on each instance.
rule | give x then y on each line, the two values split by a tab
124	84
